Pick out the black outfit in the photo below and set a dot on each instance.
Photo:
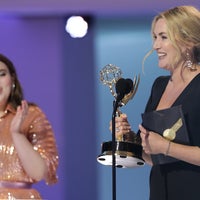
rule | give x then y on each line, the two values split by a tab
178	180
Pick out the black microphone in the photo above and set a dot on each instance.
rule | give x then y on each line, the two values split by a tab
123	87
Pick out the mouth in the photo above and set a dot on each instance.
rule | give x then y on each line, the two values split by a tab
161	55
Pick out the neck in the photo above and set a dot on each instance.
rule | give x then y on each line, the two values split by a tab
2	107
183	75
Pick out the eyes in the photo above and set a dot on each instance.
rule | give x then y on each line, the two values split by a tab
3	72
161	36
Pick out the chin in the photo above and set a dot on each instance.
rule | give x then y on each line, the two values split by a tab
163	66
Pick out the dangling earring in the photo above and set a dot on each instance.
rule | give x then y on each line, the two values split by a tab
189	63
12	90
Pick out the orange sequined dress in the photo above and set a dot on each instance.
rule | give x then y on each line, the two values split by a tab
14	181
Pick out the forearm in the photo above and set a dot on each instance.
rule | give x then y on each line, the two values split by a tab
190	154
31	161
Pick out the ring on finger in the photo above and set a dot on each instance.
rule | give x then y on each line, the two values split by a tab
117	129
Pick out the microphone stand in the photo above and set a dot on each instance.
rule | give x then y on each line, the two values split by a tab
115	106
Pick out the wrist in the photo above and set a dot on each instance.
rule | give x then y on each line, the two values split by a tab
168	148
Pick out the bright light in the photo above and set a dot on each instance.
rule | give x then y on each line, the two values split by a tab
76	26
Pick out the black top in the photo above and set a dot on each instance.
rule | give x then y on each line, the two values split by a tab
179	180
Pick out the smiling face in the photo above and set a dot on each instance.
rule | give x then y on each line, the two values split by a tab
163	46
5	85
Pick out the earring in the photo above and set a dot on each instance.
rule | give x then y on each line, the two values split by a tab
189	63
13	85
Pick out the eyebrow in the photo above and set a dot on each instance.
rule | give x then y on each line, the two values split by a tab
3	70
161	33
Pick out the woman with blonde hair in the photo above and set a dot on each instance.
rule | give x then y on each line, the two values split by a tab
176	40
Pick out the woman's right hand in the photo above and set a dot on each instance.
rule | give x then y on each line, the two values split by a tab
19	117
122	126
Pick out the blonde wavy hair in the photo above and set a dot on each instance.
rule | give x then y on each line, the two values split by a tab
183	29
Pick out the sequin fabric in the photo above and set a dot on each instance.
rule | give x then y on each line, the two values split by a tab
39	132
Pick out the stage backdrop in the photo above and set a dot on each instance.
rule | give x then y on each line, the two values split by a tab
61	75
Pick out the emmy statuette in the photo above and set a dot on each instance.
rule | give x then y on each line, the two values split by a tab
128	150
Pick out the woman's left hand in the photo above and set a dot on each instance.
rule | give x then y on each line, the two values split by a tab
152	142
19	117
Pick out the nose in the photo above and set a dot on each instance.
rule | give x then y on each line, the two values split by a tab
156	44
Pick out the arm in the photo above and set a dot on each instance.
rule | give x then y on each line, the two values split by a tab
153	143
35	145
190	154
31	160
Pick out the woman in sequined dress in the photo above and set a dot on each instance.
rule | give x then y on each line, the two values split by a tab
28	151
